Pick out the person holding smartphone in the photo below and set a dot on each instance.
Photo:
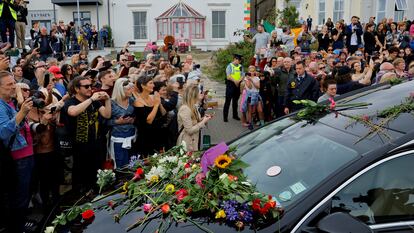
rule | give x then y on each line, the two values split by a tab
189	120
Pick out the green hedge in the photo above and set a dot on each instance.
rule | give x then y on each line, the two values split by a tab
224	56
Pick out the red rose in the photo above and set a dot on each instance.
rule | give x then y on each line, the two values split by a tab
111	204
138	174
187	165
88	214
181	194
165	208
256	205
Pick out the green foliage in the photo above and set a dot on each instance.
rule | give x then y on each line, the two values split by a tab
224	56
287	17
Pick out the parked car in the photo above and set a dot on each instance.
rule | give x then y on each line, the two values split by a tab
334	176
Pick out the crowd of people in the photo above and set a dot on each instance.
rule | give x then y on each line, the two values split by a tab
97	113
62	40
316	65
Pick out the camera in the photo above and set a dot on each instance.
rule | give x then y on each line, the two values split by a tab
196	66
37	99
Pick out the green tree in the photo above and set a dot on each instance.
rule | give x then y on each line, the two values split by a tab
289	16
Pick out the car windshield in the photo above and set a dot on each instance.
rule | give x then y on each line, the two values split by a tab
305	156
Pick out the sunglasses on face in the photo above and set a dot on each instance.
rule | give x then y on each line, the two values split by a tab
25	89
86	86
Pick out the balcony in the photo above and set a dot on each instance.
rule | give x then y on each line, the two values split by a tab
74	2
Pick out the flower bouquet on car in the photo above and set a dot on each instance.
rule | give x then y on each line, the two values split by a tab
180	186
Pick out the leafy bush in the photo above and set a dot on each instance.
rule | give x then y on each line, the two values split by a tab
224	56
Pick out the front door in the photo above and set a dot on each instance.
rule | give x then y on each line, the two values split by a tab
182	30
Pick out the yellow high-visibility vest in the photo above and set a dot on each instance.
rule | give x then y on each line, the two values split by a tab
236	72
12	11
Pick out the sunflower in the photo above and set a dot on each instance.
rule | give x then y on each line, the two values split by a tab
222	161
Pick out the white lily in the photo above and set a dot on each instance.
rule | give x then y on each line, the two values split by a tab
50	229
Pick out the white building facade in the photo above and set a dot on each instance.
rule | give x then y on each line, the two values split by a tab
321	10
136	20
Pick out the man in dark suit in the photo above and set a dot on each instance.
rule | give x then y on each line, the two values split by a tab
353	34
300	87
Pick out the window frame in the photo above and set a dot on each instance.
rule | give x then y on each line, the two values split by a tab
338	14
382	11
323	20
83	20
140	25
218	25
322	204
401	5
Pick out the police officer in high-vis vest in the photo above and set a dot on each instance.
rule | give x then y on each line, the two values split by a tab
235	75
8	17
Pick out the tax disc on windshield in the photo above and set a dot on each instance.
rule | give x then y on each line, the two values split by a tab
273	171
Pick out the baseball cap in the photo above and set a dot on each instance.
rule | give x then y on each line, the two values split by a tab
55	70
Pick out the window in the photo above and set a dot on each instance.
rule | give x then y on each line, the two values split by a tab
338	13
219	24
383	194
381	4
400	8
85	17
321	16
140	25
296	4
401	5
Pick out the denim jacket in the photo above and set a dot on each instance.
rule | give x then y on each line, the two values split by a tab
8	127
121	131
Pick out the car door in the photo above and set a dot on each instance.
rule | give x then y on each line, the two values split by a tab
380	196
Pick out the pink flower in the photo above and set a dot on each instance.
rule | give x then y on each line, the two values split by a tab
147	208
199	179
333	103
365	118
412	95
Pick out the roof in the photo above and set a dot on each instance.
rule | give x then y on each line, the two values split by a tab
180	10
74	2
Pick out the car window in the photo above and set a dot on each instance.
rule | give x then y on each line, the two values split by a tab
383	194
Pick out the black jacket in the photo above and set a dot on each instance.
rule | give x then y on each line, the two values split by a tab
349	32
44	43
308	89
22	14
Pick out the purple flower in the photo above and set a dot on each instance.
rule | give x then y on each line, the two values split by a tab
211	154
236	211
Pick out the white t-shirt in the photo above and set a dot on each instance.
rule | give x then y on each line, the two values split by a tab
255	80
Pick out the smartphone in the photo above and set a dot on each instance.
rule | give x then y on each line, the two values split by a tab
91	73
132	42
46	81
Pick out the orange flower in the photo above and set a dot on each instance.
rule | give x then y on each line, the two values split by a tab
165	208
233	178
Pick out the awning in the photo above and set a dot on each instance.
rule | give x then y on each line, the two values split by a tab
74	2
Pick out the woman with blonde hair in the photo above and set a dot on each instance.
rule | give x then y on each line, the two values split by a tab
122	121
189	120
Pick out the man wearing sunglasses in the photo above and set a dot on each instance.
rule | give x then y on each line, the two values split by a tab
80	115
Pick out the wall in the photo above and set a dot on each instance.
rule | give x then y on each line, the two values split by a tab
122	20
